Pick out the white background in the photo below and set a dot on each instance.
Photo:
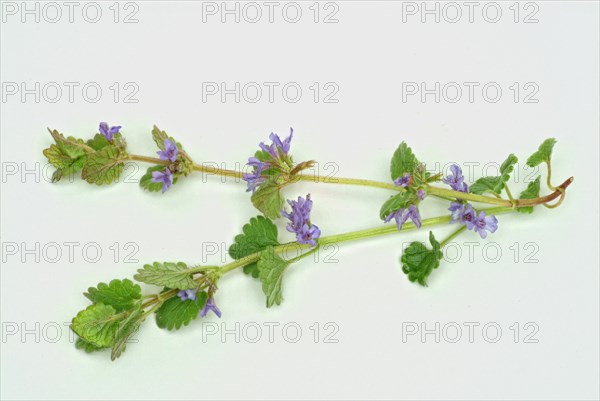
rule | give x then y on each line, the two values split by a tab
368	53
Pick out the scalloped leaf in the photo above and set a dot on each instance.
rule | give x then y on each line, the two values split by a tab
120	294
167	274
174	312
97	325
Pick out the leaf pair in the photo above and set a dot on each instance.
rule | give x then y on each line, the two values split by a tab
496	184
404	162
260	235
183	165
114	316
100	161
257	234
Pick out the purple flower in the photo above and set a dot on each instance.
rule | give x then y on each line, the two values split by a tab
468	216
403	181
306	233
170	152
456	209
184	295
483	222
456	180
255	178
300	213
166	178
277	146
402	215
421	194
108	132
210	306
413	214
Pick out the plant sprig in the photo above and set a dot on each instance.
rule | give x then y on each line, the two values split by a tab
184	293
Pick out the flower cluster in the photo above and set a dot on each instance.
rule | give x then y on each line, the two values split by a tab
404	214
168	154
255	178
277	153
306	233
456	179
107	131
278	148
465	214
403	181
210	305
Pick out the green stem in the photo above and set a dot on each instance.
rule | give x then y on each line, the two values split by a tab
467	196
159	299
348	181
353	236
452	236
509	194
549	178
300	177
516	203
151	310
432	190
313	250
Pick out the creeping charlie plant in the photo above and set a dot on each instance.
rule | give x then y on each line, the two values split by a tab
184	292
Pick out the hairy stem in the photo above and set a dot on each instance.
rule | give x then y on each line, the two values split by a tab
517	203
290	247
431	190
287	248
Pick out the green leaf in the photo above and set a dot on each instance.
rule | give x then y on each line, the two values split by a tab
271	268
104	166
397	202
487	184
495	184
70	146
98	142
120	294
61	156
67	169
67	155
418	261
96	325
251	269
184	164
85	346
257	234
543	154
127	328
403	161
268	199
174	312
159	137
532	191
167	274
507	167
146	180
